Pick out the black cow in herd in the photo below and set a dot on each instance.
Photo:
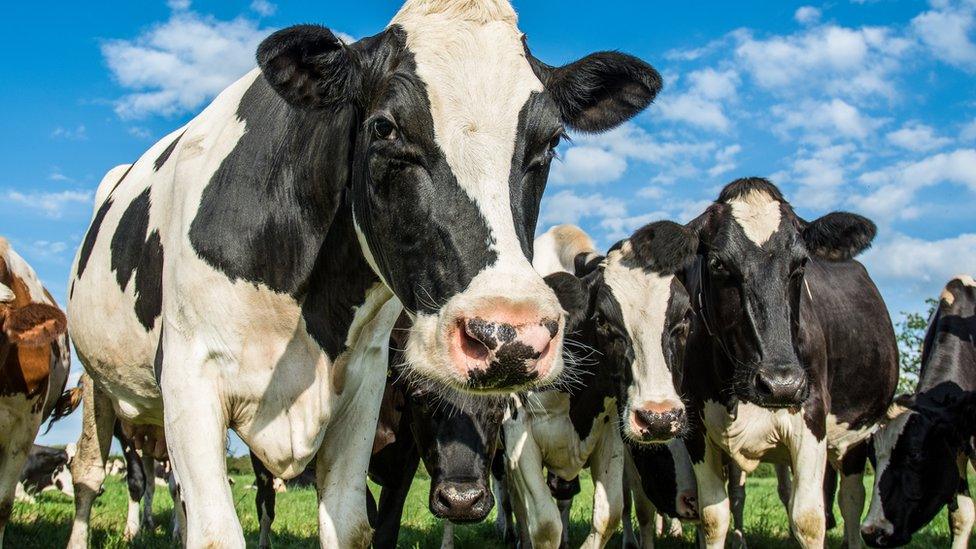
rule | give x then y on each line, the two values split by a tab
922	453
791	357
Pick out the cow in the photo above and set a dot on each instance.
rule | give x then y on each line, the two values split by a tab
659	481
454	435
632	313
47	469
791	357
247	270
34	363
922	451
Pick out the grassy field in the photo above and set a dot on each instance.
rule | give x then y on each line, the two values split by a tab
47	523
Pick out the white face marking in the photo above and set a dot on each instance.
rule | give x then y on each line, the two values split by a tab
758	214
643	299
478	79
885	440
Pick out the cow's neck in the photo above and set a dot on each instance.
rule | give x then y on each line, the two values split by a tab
269	208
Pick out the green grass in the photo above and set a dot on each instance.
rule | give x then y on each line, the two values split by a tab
47	523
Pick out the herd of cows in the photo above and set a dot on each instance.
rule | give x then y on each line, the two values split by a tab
335	259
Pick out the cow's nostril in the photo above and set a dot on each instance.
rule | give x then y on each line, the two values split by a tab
471	345
762	386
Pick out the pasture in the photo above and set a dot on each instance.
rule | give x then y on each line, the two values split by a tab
46	523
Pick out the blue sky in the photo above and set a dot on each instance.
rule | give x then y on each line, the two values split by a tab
867	106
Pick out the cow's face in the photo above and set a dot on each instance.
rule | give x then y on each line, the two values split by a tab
457	441
667	477
639	313
915	460
750	276
457	126
25	320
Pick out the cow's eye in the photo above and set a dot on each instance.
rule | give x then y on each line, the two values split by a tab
717	266
384	128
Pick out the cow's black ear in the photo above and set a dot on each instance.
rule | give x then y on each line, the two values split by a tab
573	297
838	236
600	91
310	67
664	246
586	263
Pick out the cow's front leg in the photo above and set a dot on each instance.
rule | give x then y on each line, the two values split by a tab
607	468
135	480
643	509
149	466
535	510
196	433
851	497
15	447
961	511
806	510
710	473
737	501
264	500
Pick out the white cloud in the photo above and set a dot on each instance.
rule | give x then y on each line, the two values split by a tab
969	131
79	133
178	5
825	59
903	257
896	187
175	66
837	117
917	137
57	175
702	103
725	160
49	204
947	31
139	132
618	228
263	7
807	15
568	207
588	165
44	250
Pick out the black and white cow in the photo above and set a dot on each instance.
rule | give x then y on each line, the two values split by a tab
34	363
660	482
47	468
455	437
791	358
921	453
632	315
242	273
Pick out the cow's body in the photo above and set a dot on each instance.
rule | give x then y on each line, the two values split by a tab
248	269
922	453
824	382
34	362
634	307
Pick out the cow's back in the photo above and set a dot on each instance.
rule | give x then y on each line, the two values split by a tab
859	345
116	288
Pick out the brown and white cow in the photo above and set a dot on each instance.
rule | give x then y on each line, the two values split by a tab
34	362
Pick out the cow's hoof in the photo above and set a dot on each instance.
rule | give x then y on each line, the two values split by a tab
739	540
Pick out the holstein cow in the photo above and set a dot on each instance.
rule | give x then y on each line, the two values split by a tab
34	362
242	272
791	358
921	453
47	468
633	315
455	436
658	479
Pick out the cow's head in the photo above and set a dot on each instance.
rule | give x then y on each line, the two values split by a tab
27	317
917	448
753	252
667	477
455	126
639	314
457	439
916	461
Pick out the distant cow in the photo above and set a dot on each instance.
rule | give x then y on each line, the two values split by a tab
47	468
628	327
921	453
34	362
247	270
791	358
